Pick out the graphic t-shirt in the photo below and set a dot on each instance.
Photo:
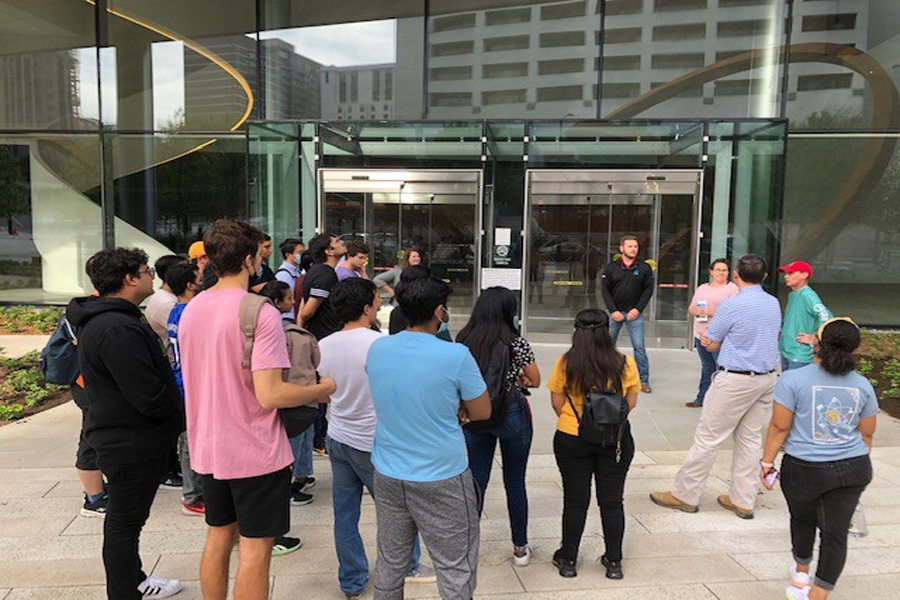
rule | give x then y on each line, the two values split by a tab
827	409
568	422
804	314
317	284
417	383
351	415
713	295
173	349
230	435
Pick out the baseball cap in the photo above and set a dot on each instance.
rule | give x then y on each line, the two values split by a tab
196	250
798	266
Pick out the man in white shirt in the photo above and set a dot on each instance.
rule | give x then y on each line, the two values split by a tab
161	302
351	428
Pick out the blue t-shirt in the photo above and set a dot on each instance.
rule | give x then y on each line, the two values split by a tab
827	409
417	382
174	351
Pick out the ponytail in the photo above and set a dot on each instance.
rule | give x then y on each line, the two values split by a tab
838	340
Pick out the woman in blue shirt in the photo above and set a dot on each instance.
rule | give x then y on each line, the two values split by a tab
824	417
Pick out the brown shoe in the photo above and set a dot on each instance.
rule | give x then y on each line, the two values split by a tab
693	404
726	503
645	388
667	500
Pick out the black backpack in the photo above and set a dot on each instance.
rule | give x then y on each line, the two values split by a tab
495	378
603	419
59	358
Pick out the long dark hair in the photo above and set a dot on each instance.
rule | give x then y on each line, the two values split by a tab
492	322
839	340
593	361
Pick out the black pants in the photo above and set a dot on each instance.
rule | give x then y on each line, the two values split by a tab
85	457
321	425
578	463
823	495
131	492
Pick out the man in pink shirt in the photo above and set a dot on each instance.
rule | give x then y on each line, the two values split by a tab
238	443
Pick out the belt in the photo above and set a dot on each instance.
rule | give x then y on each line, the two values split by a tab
745	372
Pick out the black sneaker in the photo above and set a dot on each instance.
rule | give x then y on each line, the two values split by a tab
173	481
301	498
303	485
96	509
566	567
613	567
285	545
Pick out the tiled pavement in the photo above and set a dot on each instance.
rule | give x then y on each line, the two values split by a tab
47	551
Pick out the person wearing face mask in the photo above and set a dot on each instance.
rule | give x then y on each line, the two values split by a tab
703	306
398	320
289	271
422	478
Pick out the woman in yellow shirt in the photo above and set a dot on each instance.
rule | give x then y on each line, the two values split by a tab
591	363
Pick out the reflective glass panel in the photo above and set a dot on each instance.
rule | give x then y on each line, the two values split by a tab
48	65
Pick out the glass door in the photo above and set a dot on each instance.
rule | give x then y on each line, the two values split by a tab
575	221
433	212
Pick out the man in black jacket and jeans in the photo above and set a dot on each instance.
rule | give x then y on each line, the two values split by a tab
135	410
627	286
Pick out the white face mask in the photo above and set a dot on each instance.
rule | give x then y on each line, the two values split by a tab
445	322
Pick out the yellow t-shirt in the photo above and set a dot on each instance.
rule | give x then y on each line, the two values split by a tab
568	422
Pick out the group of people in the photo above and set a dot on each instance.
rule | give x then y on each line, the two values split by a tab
245	347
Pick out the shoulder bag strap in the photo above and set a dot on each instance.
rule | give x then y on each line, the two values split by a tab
248	315
572	404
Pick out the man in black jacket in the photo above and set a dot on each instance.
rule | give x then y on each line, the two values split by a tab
627	287
135	412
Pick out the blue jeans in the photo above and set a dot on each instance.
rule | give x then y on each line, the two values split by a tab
787	365
351	469
514	433
636	333
321	427
708	366
302	447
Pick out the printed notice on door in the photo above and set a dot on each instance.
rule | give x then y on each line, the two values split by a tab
508	278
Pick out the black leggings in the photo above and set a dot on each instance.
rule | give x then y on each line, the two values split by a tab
823	495
578	463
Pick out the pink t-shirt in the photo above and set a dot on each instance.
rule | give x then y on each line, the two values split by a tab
713	296
230	435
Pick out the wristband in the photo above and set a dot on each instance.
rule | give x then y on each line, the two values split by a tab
766	465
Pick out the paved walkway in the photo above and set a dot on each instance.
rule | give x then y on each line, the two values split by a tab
47	551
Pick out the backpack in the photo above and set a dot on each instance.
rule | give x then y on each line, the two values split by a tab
603	419
59	358
297	419
297	289
501	398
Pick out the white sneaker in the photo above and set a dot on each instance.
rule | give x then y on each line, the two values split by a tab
421	574
798	579
794	593
522	561
156	587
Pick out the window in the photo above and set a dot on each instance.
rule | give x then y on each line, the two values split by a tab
508	42
743	28
624	35
453	48
451	99
452	22
620	90
342	87
557	67
568	10
835	81
677	61
736	87
675	33
666	5
621	63
501	70
388	85
829	22
562	38
622	7
354	86
507	16
376	85
450	73
503	97
738	3
559	93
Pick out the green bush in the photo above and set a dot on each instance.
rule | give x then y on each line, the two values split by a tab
29	319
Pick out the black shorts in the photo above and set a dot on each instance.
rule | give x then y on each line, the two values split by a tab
260	505
85	457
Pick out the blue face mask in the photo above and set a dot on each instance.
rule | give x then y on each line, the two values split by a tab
445	323
297	259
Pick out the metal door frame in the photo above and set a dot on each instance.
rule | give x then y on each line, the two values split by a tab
606	176
479	205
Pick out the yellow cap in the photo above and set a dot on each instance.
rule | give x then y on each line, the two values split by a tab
196	250
829	322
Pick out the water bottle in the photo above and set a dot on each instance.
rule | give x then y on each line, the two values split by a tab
702	306
858	526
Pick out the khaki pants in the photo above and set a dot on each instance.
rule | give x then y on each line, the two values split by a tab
735	405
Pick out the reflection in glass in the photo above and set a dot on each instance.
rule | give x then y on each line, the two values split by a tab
50	215
48	65
538	60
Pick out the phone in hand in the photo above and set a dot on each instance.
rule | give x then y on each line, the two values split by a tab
771	476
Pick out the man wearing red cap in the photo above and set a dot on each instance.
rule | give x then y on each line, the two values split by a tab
804	314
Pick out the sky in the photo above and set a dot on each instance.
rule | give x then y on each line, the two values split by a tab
347	44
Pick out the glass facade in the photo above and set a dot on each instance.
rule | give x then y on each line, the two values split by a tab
128	121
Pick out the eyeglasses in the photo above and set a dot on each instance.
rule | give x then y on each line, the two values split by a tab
150	271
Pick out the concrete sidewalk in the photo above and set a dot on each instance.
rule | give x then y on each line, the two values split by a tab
48	551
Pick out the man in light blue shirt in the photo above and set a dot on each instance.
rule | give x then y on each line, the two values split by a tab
422	389
744	332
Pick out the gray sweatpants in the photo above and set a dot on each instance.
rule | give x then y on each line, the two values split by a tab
445	514
191	489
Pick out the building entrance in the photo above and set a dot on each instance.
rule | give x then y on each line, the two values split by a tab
436	213
574	222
